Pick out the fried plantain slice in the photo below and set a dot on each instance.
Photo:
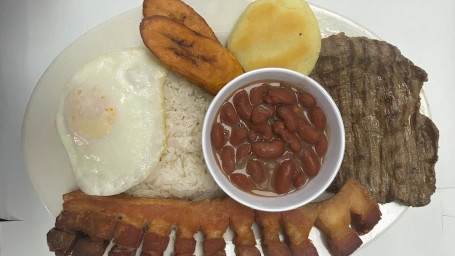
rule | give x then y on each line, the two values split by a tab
180	12
197	58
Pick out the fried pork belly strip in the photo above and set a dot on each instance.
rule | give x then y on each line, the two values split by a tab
351	207
88	223
363	215
180	12
128	221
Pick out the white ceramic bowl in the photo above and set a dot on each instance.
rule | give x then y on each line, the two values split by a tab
318	184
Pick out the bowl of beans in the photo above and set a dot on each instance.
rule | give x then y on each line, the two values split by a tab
273	139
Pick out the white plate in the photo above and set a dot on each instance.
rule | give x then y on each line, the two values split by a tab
48	165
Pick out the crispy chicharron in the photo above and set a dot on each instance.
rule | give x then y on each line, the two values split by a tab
87	224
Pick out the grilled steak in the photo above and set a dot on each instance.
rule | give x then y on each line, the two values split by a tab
391	148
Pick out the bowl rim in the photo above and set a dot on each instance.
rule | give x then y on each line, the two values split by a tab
271	204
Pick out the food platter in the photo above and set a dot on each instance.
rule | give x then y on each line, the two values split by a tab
48	165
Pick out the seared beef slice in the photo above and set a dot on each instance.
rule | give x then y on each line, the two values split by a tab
391	148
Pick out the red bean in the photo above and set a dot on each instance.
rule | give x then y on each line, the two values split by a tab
298	111
242	105
228	114
306	99
262	113
289	117
310	161
299	180
321	146
253	136
254	169
307	132
242	181
241	155
317	117
238	135
217	136
268	150
257	94
279	95
270	126
228	160
279	129
263	129
283	176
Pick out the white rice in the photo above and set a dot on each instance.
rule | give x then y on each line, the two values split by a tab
182	172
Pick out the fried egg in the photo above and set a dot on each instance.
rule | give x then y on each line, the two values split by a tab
110	119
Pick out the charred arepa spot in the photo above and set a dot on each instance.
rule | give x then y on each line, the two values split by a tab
391	148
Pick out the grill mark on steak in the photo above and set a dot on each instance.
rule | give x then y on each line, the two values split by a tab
391	148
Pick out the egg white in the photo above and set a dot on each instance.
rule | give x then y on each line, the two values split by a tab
110	119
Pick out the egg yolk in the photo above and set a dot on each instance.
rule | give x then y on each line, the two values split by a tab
90	113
